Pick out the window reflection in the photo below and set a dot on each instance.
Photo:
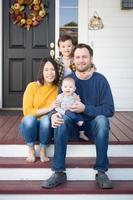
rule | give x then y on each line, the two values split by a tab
69	3
69	18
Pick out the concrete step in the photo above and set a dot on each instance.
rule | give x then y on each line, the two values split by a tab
73	150
76	168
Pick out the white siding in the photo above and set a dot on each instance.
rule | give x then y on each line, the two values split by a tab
113	49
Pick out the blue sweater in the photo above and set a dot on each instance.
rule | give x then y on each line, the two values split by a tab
96	95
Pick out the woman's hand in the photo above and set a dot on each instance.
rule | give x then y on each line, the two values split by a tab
43	111
57	104
53	105
56	120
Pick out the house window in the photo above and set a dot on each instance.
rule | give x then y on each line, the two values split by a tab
127	4
69	18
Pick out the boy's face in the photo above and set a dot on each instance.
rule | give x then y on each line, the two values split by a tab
68	87
66	48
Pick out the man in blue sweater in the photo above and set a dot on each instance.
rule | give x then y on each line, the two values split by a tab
96	106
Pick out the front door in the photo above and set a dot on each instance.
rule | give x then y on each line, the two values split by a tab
23	51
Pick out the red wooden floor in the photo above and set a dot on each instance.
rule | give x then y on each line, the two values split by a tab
121	128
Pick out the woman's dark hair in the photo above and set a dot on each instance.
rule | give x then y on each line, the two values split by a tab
40	77
82	45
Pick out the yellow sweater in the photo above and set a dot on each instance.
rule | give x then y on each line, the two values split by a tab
38	96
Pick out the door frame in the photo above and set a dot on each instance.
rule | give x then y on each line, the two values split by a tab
83	35
1	54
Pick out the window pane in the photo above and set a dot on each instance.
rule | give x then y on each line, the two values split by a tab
69	3
68	15
69	18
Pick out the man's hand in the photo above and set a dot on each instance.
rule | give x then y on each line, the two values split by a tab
77	107
56	120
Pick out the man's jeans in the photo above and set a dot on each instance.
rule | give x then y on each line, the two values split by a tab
98	131
33	130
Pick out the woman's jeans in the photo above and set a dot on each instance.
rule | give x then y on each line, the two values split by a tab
33	130
97	130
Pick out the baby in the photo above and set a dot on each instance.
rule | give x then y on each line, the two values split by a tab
66	99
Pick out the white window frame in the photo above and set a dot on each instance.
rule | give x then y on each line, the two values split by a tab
83	15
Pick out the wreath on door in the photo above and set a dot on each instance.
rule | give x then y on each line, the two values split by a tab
27	13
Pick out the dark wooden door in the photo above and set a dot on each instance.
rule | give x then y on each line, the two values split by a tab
23	51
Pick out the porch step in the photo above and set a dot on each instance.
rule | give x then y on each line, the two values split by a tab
71	162
76	168
70	187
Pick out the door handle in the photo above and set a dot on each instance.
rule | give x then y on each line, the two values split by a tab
52	53
51	45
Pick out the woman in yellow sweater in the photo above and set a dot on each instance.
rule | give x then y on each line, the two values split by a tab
38	101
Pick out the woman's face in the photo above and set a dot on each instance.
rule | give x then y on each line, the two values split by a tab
48	73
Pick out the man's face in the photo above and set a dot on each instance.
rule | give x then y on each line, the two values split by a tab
82	59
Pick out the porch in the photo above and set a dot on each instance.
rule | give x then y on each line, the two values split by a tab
19	179
121	131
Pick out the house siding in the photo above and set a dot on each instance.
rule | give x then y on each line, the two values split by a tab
113	49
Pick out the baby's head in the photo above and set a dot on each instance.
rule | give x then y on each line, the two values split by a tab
68	86
66	46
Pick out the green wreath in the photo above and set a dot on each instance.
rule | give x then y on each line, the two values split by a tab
33	18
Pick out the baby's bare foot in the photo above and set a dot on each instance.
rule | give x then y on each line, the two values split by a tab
83	136
80	123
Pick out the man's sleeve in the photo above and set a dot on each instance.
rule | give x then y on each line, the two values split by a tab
106	103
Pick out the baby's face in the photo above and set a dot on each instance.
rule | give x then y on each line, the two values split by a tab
68	87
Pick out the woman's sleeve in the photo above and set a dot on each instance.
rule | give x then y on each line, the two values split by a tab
28	100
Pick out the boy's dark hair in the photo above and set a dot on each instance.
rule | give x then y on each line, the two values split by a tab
63	38
40	77
82	45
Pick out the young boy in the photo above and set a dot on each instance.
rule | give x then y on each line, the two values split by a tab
65	60
66	99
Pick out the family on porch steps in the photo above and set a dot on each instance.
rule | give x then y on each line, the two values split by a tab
94	104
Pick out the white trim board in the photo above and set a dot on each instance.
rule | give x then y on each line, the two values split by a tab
66	197
72	173
72	150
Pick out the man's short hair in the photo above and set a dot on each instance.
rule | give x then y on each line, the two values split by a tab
82	45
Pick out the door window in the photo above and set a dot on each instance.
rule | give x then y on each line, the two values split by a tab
69	18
